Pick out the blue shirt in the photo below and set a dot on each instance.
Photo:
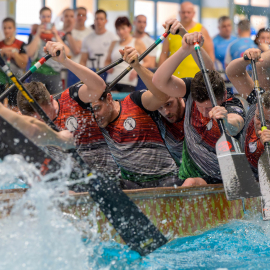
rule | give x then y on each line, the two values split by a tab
237	48
221	44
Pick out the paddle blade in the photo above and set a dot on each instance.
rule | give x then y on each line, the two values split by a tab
238	178
264	178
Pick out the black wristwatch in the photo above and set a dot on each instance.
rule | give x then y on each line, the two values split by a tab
68	33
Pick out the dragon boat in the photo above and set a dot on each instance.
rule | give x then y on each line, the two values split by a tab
176	212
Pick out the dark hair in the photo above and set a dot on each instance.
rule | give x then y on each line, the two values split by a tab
8	19
262	30
223	19
198	89
39	93
266	100
122	21
105	93
101	11
81	8
244	25
43	9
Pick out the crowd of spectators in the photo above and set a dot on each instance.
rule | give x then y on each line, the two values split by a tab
95	47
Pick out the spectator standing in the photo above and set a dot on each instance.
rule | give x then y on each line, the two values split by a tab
68	19
15	55
188	67
222	41
140	23
48	73
262	39
99	41
76	35
237	48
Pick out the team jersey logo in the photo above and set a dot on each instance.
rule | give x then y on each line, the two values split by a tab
71	123
129	123
252	147
209	125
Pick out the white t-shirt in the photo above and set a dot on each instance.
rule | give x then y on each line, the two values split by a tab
80	35
98	44
148	41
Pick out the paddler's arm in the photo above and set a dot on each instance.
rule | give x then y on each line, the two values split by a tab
94	85
237	74
233	122
163	78
37	131
153	98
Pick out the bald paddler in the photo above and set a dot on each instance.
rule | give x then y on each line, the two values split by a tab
199	160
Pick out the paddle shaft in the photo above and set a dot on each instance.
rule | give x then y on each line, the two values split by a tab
36	106
258	94
141	57
208	84
27	75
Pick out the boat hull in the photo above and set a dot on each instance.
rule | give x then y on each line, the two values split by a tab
177	212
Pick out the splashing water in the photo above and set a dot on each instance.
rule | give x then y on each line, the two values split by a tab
37	235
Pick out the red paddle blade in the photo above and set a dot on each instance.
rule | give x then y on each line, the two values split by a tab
238	178
264	178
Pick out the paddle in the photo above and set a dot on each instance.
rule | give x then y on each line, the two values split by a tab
238	179
264	160
134	227
27	74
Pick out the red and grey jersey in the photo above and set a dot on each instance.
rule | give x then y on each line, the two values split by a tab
136	144
202	133
76	116
250	142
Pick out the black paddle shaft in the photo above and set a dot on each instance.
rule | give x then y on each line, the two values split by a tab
208	85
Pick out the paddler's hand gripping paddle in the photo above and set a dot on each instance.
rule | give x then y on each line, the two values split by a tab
238	179
264	160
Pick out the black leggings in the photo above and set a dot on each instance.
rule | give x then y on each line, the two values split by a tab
168	181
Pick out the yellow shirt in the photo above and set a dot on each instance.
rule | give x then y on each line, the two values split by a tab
188	67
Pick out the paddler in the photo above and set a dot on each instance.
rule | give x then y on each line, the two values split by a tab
199	160
253	138
169	117
37	131
69	113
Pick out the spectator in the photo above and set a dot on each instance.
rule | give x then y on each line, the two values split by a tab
68	19
48	73
99	41
123	29
237	48
262	39
188	67
222	41
15	55
76	36
140	25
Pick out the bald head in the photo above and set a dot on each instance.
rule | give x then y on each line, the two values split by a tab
140	23
187	12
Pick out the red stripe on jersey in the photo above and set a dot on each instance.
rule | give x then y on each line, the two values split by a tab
72	115
209	131
175	129
253	146
133	125
17	44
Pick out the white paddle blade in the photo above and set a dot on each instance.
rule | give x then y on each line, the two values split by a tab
264	178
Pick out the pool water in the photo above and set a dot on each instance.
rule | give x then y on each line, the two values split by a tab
36	235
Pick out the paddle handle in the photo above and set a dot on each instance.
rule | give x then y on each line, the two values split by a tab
27	75
141	57
208	83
